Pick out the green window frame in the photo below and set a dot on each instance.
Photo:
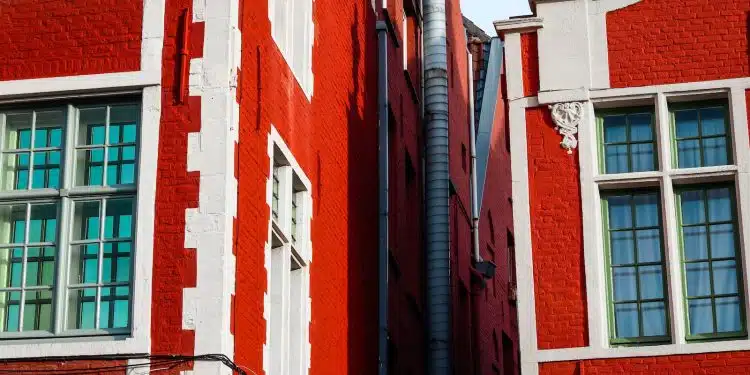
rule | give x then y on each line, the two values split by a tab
704	232
630	139
638	230
706	134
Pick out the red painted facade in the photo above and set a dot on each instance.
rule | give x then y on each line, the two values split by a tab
333	137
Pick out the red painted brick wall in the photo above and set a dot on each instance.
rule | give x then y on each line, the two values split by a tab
85	367
530	61
176	190
708	363
55	38
669	41
556	236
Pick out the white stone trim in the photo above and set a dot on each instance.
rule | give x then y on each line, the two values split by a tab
515	25
690	88
78	84
209	228
513	66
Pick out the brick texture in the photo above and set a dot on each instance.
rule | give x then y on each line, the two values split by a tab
52	38
670	41
708	363
557	236
70	367
530	61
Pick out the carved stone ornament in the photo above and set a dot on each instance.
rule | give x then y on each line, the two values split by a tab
567	117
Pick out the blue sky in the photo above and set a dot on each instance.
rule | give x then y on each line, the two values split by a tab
483	12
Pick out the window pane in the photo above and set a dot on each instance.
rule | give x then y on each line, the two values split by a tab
114	307
123	119
622	248
37	313
686	123
640	127
86	220
651	282
16	171
43	223
116	262
90	167
649	245
11	309
642	157
722	241
694	239
712	121
84	264
715	151
40	266
18	131
654	319
12	224
91	126
118	221
646	210
698	279
620	216
701	316
719	204
728	317
616	158
82	308
725	277
626	320
693	210
688	153
624	284
615	129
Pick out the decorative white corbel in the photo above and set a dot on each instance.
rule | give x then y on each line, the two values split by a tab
567	117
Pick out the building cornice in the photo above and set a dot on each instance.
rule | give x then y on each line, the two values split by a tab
516	25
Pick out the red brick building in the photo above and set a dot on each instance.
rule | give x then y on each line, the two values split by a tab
191	186
629	136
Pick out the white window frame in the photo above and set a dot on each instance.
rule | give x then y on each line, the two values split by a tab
287	314
284	36
593	182
135	339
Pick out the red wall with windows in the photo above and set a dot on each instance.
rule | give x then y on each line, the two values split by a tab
670	41
40	39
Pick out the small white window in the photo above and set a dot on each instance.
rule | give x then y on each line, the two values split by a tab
288	274
293	30
67	218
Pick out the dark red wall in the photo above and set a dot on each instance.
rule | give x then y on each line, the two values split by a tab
40	39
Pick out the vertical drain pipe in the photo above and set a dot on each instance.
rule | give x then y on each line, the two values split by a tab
473	170
383	149
437	180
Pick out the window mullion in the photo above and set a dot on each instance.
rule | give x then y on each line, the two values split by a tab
30	182
100	262
673	258
105	162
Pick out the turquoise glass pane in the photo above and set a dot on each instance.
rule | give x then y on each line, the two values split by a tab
129	133
86	221
688	153
615	129
616	158
622	248
715	151
22	163
12	322
649	245
693	210
122	314
626	320
695	243
646	210
642	157
96	134
686	123
728	318
16	268
55	137
94	166
114	134
43	223
624	284
698	279
19	224
654	319
24	138
713	121
620	215
725	277
701	316
119	219
722	240
640	127
651	282
40	138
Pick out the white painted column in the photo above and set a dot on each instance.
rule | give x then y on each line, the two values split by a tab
741	147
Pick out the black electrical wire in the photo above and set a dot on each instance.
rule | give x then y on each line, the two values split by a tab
171	361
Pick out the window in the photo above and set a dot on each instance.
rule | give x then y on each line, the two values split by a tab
700	135
293	30
710	257
704	297
628	142
289	253
636	266
67	216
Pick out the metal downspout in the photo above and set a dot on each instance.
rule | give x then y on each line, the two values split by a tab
383	148
473	170
437	181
